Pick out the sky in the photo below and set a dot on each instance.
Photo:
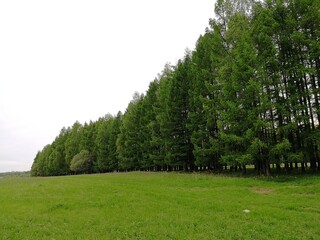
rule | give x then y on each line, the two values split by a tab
73	60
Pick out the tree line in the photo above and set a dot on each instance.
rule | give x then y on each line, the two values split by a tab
248	94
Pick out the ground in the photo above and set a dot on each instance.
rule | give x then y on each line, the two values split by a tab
143	205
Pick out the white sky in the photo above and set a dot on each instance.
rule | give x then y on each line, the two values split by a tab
68	60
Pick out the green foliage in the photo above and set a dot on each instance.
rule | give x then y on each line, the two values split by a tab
178	144
203	95
248	94
281	150
130	138
81	162
105	143
150	129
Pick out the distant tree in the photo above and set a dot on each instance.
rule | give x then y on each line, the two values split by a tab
248	94
72	143
147	124
178	137
57	159
130	138
101	143
204	98
81	163
160	132
105	143
36	168
114	131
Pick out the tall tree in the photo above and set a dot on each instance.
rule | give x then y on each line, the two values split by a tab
159	127
101	143
179	146
130	139
72	144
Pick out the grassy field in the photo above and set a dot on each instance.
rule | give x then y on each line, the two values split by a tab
143	205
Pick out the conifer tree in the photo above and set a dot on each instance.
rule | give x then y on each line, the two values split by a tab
179	147
102	143
72	144
159	128
130	139
150	128
248	94
203	98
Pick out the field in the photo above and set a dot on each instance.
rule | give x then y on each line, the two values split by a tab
142	205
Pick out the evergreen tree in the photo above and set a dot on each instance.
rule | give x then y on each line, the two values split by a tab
178	146
101	143
248	94
203	96
105	142
72	144
150	127
81	162
159	130
130	139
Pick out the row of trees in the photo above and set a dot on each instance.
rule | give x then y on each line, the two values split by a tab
84	148
247	95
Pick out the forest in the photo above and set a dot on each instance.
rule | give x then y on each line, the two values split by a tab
247	95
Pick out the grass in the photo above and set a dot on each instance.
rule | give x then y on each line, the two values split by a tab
15	174
144	205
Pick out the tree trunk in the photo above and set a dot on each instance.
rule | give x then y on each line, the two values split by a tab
244	169
286	167
266	168
291	166
317	157
312	160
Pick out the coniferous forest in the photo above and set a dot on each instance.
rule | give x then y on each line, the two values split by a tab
247	95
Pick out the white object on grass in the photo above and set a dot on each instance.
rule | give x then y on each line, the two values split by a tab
246	211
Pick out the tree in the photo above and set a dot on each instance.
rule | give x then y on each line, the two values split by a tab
179	149
72	143
150	128
248	94
81	162
105	143
203	97
160	133
130	139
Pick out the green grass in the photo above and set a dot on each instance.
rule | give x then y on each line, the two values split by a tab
160	206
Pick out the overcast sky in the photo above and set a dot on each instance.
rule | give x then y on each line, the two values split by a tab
65	60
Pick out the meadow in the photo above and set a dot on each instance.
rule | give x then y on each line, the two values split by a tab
142	205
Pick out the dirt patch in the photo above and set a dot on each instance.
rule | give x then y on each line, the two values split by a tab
262	190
